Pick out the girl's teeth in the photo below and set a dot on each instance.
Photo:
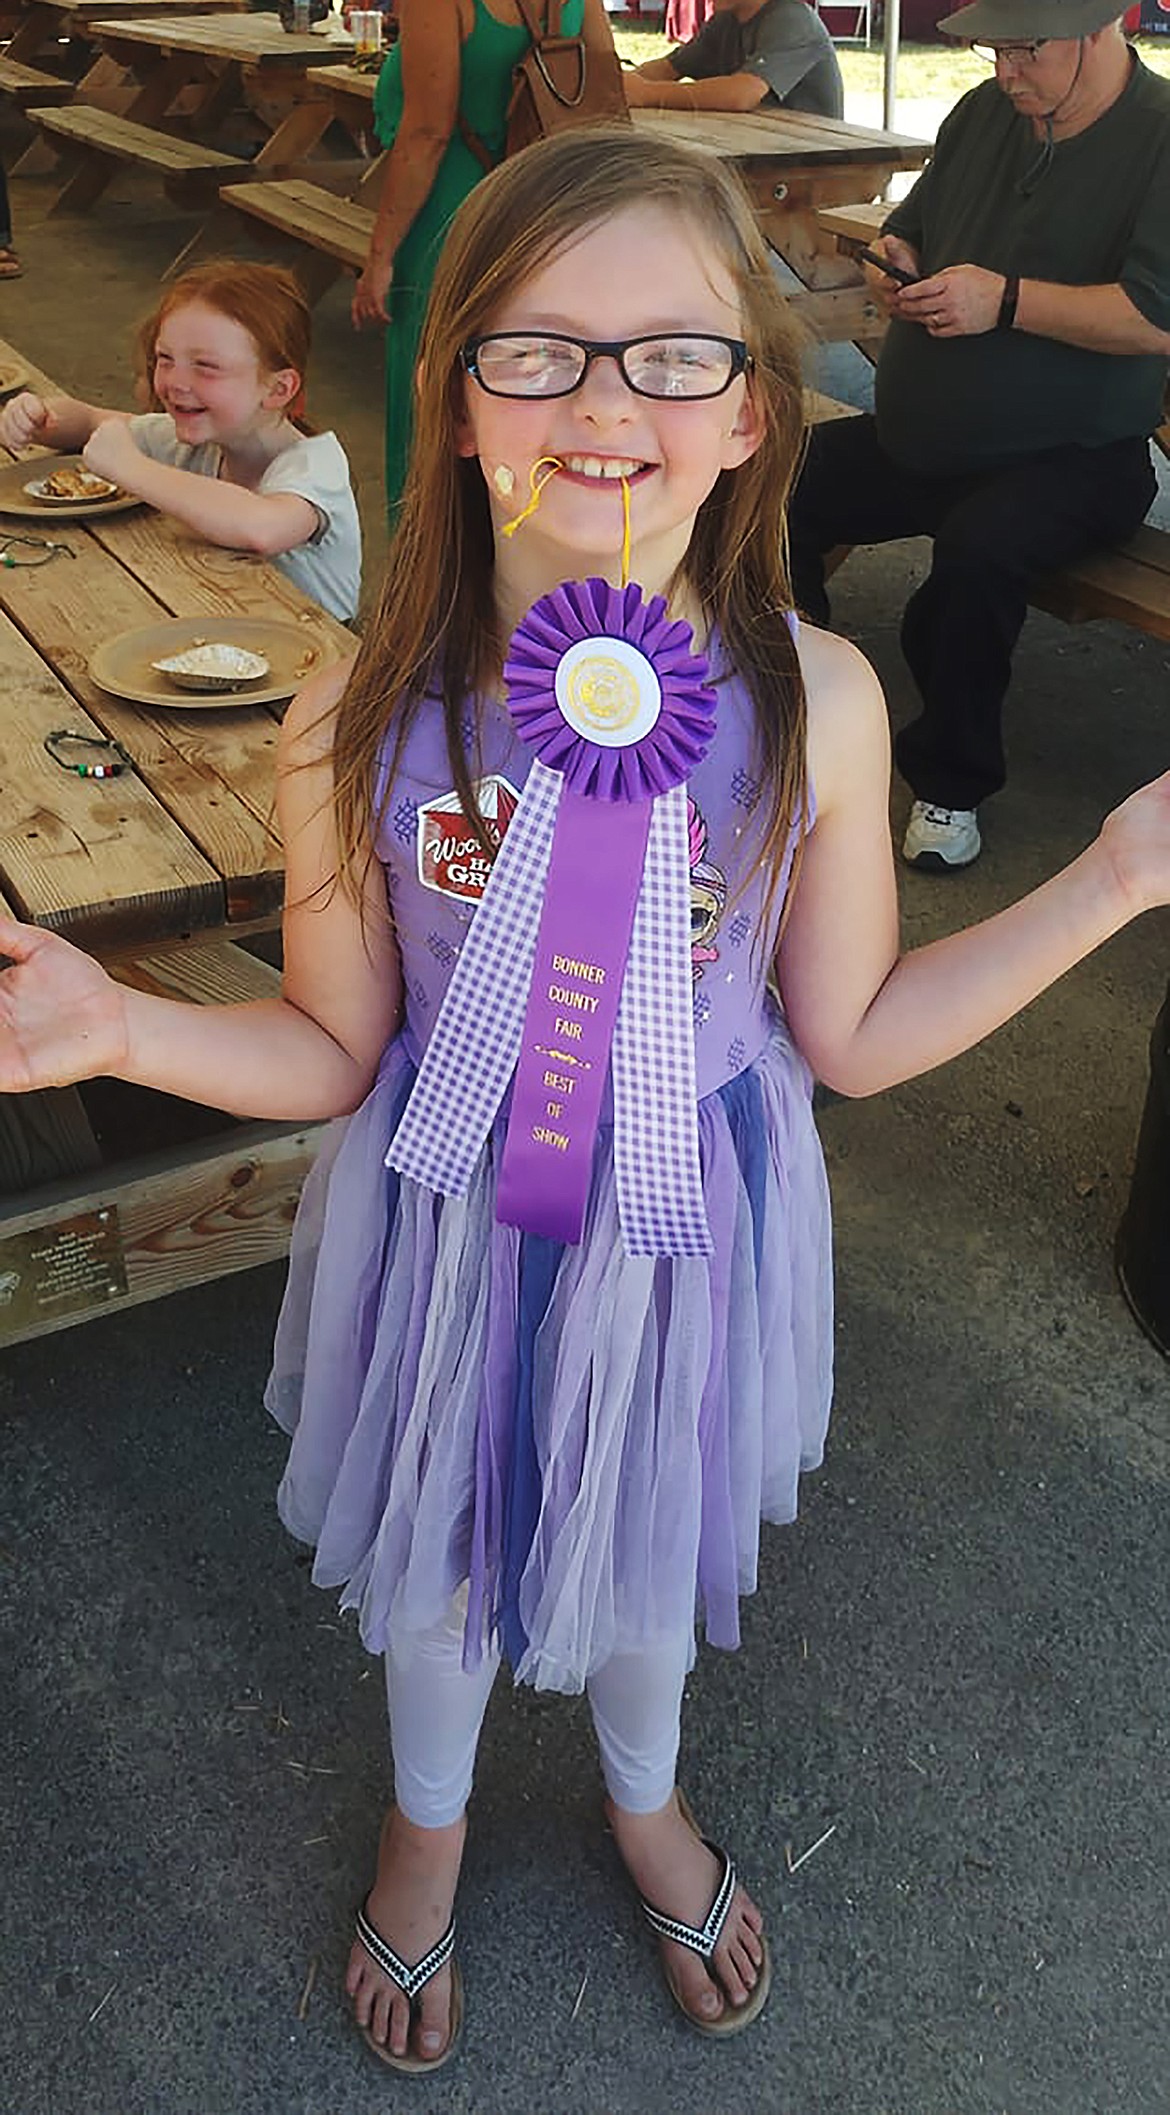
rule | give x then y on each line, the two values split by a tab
596	466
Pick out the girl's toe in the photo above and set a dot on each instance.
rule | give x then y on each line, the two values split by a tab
434	2018
696	1991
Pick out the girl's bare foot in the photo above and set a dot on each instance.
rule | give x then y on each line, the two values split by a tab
410	1905
674	1871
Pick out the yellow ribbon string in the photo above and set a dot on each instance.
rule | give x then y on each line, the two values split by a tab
549	465
536	484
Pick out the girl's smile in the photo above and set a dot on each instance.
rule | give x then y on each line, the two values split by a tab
208	377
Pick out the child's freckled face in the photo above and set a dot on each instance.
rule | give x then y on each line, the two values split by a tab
643	272
208	376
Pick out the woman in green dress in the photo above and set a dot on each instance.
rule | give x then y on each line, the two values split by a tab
449	74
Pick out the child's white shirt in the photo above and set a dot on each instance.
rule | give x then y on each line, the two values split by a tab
329	566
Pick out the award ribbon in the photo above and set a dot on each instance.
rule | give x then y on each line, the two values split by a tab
580	947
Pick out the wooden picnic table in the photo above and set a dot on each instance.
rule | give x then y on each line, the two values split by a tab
159	873
214	63
793	163
45	22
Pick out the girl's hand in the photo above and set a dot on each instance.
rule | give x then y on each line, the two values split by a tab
1136	840
112	452
61	1017
23	420
371	295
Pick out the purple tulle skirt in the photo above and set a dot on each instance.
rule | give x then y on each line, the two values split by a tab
585	1441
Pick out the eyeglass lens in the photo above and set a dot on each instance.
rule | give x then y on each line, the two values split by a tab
1015	54
531	365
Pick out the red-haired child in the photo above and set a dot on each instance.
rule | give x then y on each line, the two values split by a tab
225	355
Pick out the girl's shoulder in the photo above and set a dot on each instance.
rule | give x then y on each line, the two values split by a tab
307	729
847	725
317	455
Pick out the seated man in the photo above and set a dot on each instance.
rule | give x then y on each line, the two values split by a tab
752	54
1021	374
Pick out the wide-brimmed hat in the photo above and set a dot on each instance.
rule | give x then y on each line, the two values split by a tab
1027	21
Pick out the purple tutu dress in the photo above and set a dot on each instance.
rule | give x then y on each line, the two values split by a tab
582	1441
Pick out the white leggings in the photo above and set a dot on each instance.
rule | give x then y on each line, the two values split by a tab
436	1711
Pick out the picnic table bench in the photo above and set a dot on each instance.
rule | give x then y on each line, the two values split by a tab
192	72
109	1194
791	162
1128	583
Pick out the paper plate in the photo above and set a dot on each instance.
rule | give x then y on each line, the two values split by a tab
13	376
16	499
123	665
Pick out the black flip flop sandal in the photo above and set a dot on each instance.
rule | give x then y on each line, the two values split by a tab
703	1941
411	1982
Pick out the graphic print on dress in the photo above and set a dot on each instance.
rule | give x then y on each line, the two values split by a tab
451	859
708	895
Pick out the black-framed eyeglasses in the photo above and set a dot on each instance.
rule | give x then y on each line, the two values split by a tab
688	365
1015	54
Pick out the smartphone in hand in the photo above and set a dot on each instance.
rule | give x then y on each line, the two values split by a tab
892	271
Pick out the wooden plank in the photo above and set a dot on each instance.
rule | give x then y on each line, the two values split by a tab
250	38
103	132
190	577
204	972
147	1228
308	214
1119	585
784	136
86	856
25	84
211	771
857	224
838	315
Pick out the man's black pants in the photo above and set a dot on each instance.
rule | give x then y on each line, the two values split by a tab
993	531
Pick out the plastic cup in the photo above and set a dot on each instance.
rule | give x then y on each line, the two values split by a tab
366	26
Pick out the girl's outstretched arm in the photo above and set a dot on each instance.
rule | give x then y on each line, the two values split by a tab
64	423
866	1015
215	508
310	1053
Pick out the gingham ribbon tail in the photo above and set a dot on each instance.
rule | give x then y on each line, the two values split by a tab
577	965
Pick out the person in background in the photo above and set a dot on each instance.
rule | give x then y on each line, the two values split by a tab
441	107
1023	369
225	355
751	55
684	17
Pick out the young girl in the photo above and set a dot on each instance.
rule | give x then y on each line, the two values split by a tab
503	1440
224	356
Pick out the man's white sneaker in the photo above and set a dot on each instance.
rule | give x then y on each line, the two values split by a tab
940	837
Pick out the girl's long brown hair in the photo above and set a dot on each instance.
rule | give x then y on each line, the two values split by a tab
435	626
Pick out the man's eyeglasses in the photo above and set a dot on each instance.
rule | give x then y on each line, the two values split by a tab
1015	54
545	364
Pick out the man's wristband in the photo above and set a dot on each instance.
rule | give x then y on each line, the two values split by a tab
1007	307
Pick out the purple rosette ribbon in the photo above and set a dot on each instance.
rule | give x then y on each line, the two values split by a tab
577	966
